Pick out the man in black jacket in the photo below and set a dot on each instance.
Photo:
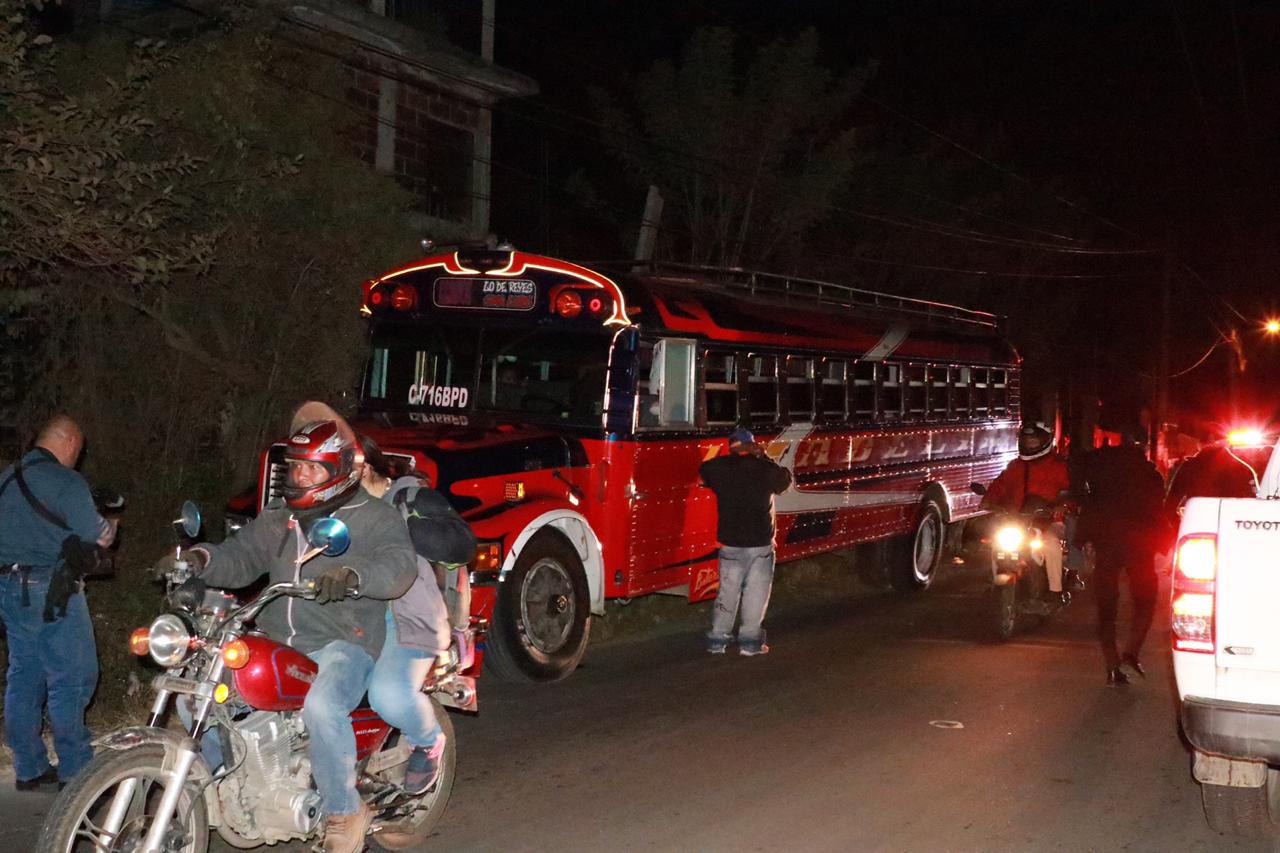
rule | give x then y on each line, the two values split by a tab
1123	517
744	483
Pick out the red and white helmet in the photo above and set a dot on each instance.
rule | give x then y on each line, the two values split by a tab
331	444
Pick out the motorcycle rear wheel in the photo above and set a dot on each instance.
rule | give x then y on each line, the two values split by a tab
81	807
412	831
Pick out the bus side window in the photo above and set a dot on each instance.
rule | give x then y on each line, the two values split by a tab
939	400
665	383
917	391
981	400
960	391
864	391
720	387
762	385
831	393
890	392
999	393
799	388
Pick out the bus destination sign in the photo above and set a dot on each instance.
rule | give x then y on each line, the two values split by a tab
499	294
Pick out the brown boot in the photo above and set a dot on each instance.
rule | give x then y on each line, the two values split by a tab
344	833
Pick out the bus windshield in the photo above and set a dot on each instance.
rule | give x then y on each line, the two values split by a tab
535	374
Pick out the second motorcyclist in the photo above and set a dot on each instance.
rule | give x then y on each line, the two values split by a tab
1036	480
342	633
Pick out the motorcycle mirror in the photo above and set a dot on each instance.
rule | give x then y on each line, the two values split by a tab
189	519
330	536
978	488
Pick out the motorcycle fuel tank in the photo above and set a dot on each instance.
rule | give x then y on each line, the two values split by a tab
276	678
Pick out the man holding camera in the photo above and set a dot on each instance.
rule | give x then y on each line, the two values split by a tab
47	521
744	483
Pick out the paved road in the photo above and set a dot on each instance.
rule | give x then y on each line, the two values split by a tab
845	738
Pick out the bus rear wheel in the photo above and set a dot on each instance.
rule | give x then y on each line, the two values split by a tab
914	558
542	618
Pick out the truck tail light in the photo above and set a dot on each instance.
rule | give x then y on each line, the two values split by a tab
1195	569
1197	558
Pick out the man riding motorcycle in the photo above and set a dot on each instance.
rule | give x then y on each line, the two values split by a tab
341	633
1036	480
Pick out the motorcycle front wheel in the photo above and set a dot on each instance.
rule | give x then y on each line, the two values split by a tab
75	822
1005	601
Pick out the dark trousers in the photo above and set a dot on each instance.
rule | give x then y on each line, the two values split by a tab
1137	564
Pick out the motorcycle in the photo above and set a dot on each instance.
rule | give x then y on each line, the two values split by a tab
152	789
1019	584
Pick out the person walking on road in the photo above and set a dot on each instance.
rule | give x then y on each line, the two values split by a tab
744	483
1124	519
47	516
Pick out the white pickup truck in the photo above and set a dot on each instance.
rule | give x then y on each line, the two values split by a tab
1226	653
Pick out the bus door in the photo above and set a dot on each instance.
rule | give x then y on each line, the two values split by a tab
671	515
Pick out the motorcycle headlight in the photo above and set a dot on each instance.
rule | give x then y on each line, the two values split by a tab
170	640
1009	538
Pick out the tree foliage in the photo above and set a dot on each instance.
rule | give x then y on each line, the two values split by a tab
182	234
748	151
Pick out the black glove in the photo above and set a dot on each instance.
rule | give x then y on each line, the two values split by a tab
335	584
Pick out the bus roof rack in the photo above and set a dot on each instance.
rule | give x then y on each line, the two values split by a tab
817	292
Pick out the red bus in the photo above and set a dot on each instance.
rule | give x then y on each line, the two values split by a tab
564	411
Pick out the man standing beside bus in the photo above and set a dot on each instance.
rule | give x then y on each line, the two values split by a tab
744	483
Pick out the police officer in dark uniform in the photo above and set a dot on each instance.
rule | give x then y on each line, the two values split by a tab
1124	519
44	502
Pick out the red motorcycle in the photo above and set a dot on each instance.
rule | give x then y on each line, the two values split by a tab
152	789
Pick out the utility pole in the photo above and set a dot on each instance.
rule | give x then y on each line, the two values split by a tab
1158	450
649	225
482	178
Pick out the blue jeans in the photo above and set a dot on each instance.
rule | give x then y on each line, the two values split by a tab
337	690
395	690
57	661
746	579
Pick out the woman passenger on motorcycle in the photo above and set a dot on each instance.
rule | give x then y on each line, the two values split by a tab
418	631
1038	478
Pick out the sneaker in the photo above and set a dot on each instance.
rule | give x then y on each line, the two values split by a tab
344	833
48	778
1130	661
1116	678
424	767
715	649
752	651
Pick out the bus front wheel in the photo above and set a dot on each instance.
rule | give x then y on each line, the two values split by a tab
542	616
914	558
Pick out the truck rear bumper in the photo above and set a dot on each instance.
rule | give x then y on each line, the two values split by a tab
1234	729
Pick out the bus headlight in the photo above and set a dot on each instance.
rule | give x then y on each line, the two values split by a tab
1009	538
169	639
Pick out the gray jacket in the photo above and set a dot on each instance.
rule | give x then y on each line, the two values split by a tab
380	553
420	615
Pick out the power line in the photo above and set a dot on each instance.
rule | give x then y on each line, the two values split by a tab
988	161
723	170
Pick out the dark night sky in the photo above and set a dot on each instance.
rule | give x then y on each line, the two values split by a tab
1159	116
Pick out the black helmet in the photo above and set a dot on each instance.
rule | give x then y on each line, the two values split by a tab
1034	442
